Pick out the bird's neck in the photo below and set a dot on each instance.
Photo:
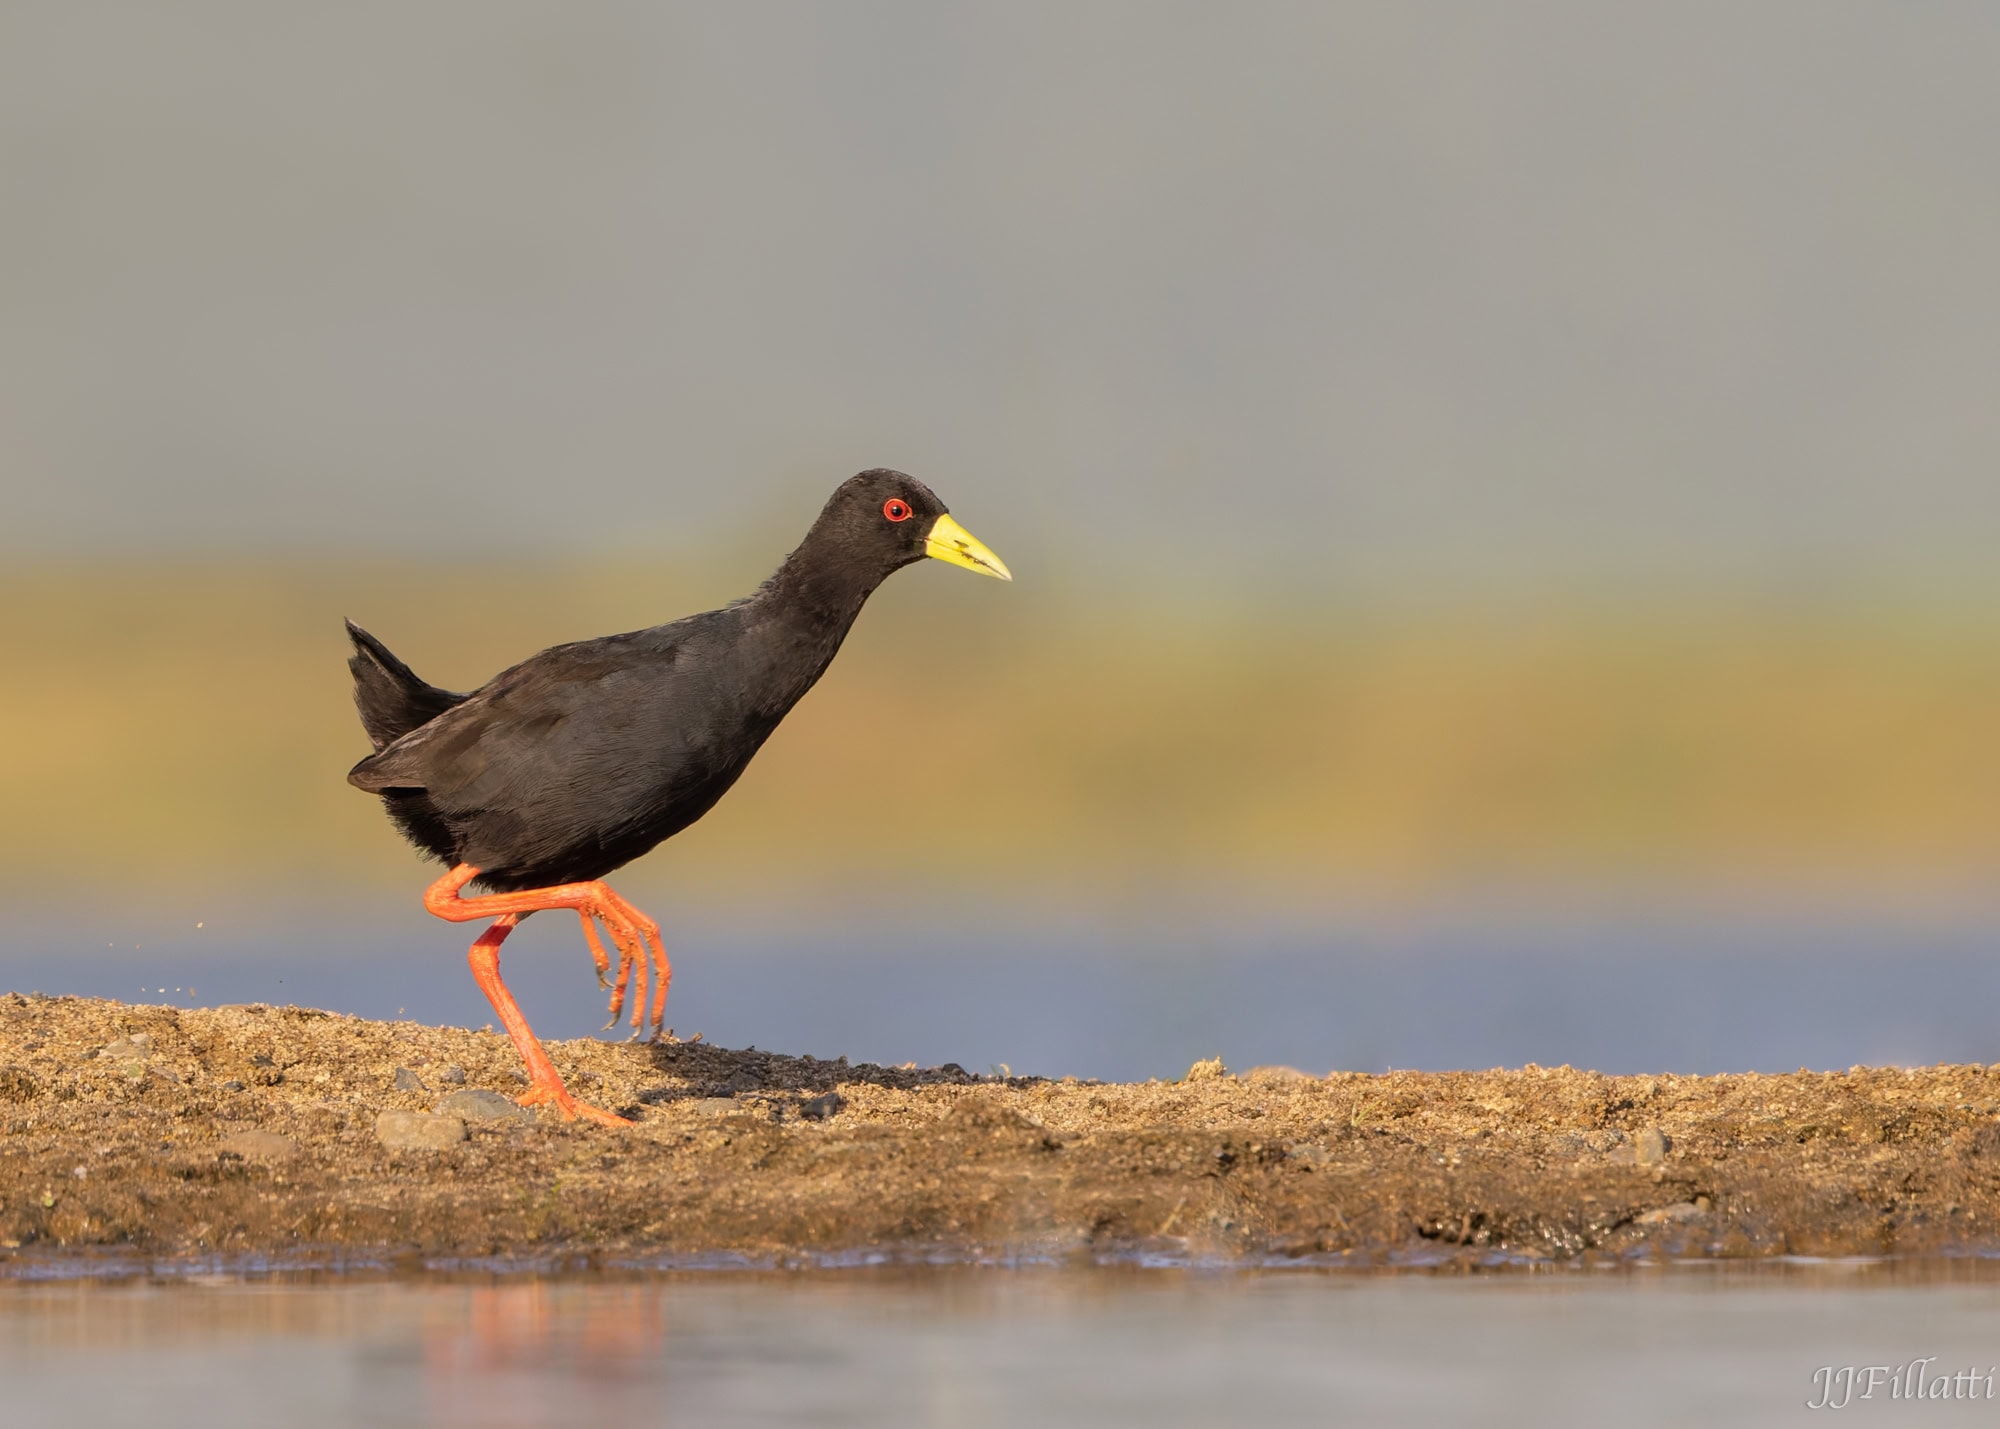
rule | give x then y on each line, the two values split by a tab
821	584
817	594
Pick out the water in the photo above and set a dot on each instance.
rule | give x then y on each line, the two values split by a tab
978	1348
1616	987
1612	989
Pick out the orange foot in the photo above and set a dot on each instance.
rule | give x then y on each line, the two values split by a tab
636	935
554	1093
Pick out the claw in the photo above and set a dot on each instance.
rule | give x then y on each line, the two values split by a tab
597	955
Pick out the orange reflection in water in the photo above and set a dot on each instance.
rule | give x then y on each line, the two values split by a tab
541	1324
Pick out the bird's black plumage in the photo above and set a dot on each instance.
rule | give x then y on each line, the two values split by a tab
390	697
585	756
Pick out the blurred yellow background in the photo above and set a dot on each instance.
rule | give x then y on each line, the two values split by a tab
190	723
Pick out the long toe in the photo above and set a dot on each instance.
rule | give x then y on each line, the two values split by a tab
568	1107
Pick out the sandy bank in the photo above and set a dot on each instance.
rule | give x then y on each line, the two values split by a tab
251	1131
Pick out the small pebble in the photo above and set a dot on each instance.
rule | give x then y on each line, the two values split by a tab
409	1081
1649	1147
452	1075
1686	1210
418	1131
259	1146
822	1108
477	1104
232	1085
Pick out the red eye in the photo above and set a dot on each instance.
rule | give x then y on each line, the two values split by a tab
896	509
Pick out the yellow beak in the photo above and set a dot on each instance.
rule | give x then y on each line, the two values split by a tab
949	541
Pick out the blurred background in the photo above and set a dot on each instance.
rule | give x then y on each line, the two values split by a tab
1503	507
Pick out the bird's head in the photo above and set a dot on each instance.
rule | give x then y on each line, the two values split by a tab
886	517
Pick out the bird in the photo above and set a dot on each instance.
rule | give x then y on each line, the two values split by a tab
569	765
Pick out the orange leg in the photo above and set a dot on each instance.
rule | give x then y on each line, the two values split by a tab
544	1082
588	900
633	932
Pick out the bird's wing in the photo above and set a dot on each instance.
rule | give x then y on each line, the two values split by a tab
519	735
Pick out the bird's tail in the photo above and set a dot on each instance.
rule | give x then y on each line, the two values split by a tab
390	697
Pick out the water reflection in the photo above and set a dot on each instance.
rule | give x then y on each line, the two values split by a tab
986	1348
510	1346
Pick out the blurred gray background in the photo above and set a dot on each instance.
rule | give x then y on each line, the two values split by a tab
1390	296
